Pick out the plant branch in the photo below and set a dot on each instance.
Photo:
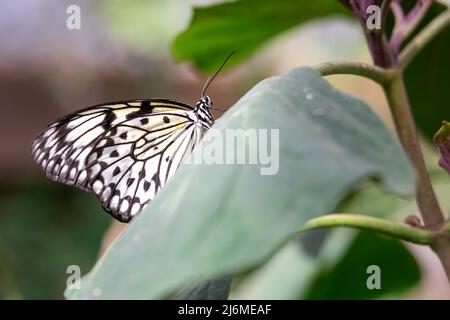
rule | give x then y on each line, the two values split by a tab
407	24
377	42
384	13
377	74
423	38
397	10
393	229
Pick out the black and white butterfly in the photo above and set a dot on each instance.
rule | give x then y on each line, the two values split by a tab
124	151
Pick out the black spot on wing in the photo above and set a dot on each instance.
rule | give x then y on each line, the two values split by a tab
142	173
113	154
145	109
146	104
130	181
109	118
116	171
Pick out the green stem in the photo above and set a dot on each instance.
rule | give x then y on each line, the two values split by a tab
425	197
393	229
404	122
377	74
423	38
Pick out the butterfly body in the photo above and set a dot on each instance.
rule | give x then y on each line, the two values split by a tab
124	151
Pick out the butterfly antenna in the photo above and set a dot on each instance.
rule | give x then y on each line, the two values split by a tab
210	79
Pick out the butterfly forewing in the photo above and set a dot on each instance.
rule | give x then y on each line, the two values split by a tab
62	148
123	152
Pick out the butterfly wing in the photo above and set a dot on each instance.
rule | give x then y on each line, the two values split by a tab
123	152
134	160
61	149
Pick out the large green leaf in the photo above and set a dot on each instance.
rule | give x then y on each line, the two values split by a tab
213	289
244	26
284	276
216	219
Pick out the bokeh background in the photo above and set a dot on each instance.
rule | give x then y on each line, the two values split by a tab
122	51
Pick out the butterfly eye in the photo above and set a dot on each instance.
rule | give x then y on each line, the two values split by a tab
207	101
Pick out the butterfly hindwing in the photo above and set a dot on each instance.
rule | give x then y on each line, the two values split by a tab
123	152
129	164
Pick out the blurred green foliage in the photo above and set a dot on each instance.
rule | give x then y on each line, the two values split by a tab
146	26
243	26
246	25
347	278
44	228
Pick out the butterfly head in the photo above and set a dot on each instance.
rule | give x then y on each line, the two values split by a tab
204	102
203	109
